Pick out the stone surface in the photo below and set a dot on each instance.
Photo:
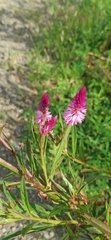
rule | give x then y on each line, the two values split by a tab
15	92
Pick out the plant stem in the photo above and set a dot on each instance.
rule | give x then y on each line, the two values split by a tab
87	164
42	153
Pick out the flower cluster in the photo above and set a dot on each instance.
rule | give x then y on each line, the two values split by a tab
44	117
75	112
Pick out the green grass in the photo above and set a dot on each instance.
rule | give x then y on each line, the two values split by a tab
61	63
3	116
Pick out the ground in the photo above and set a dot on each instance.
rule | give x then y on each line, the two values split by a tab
15	92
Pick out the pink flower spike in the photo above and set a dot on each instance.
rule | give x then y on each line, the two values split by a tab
44	103
41	117
75	112
43	113
49	125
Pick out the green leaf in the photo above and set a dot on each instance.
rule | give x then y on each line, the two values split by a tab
65	237
61	121
11	235
31	160
38	210
28	150
13	200
21	162
57	210
11	146
98	224
80	184
5	144
9	220
59	151
72	171
9	166
27	229
4	203
35	133
42	227
24	195
81	149
33	210
70	232
61	189
55	196
70	186
8	175
74	140
1	128
108	215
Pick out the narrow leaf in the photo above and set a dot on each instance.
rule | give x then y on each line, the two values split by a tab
74	140
30	158
58	209
24	196
3	203
8	145
9	166
60	150
34	133
42	227
61	121
27	229
1	128
11	235
81	149
9	220
98	224
38	210
5	144
13	200
61	189
108	214
65	237
70	232
71	189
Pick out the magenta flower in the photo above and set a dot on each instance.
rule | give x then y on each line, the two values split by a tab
49	125
44	103
41	117
44	117
43	113
75	112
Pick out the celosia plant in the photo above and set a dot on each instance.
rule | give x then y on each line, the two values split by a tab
67	204
75	113
44	117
